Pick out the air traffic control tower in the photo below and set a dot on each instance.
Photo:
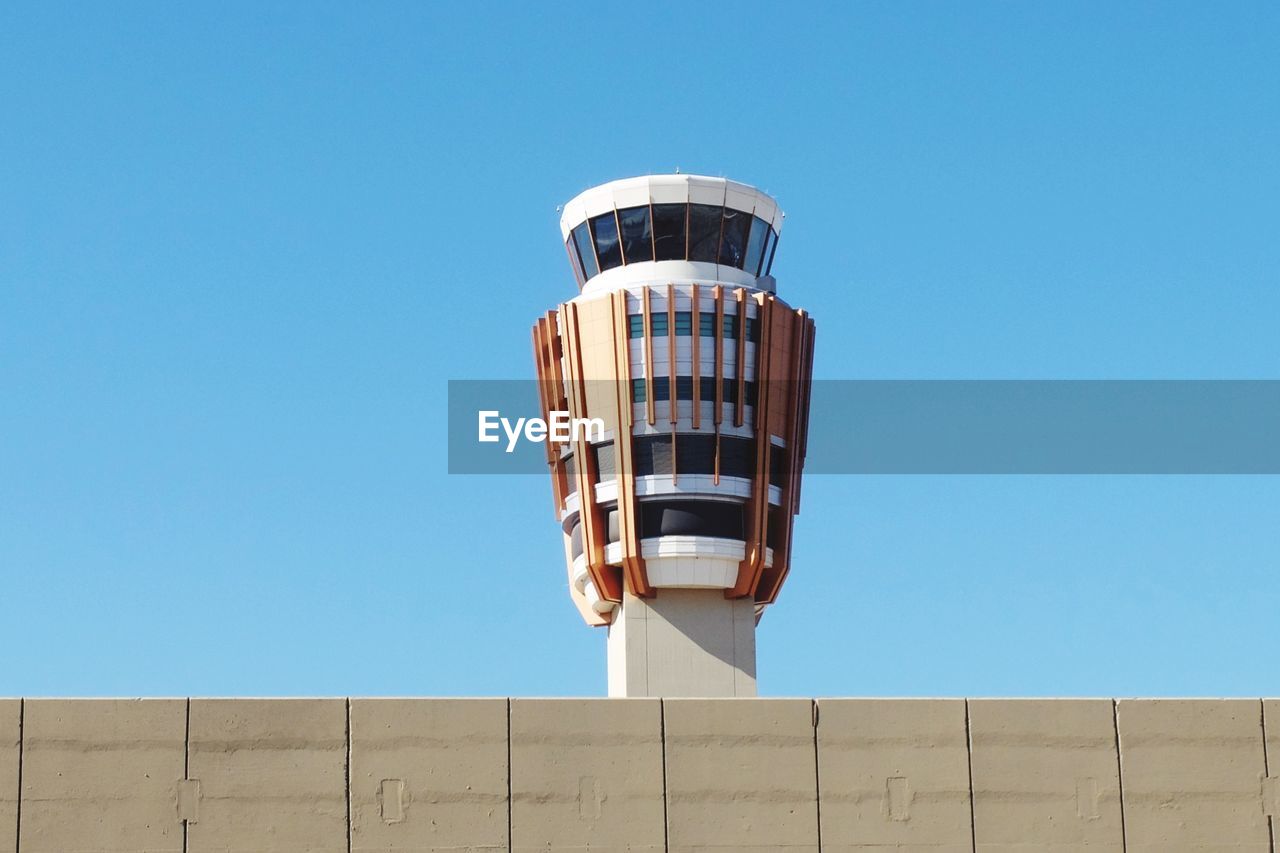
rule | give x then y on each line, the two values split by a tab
677	521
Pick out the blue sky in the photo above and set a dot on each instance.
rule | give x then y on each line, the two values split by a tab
243	246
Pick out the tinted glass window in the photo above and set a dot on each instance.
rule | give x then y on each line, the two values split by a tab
704	232
575	541
737	457
777	466
637	391
605	461
652	455
605	230
587	254
773	250
731	391
695	454
707	388
637	325
684	323
691	518
669	231
574	262
707	325
731	326
753	330
755	245
684	387
661	388
637	239
733	243
659	324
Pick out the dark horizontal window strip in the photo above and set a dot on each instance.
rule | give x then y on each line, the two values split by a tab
675	232
684	390
695	454
731	392
659	320
718	519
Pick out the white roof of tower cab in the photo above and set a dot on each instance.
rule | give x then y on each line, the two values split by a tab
668	189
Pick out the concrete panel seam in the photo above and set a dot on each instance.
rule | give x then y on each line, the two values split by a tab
662	735
1271	802
510	840
347	774
22	719
188	804
1115	725
817	775
186	768
968	745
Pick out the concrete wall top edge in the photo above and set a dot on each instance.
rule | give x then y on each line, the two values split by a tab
1263	698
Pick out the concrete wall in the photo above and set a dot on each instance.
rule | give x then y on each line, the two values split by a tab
680	775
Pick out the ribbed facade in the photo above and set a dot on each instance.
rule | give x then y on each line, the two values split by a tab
703	390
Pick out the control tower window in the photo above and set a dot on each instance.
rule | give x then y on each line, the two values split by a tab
733	242
637	237
691	518
769	253
669	231
704	232
755	245
605	230
574	262
586	252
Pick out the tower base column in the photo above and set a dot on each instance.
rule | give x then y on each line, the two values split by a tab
683	642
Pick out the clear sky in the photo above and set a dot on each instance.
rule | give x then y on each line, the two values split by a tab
243	246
